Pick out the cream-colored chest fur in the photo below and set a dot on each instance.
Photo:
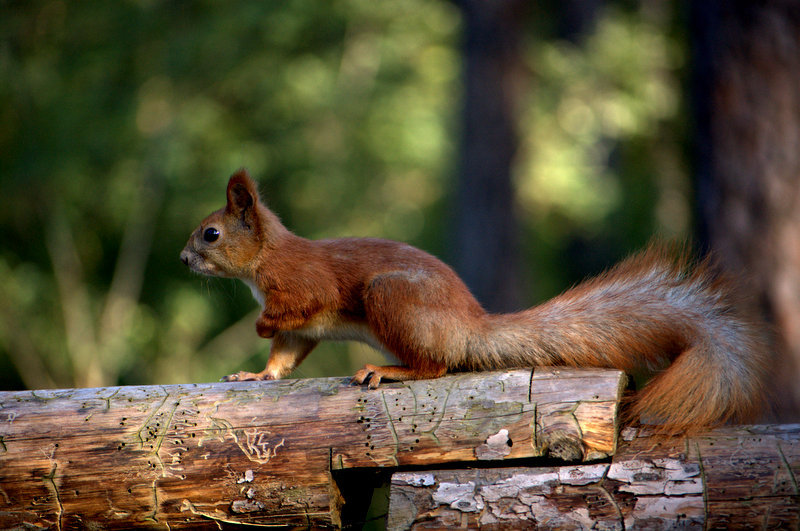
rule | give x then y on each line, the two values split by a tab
258	295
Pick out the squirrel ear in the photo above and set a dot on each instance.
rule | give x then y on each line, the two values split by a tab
242	198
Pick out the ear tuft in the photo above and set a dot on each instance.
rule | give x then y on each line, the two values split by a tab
243	197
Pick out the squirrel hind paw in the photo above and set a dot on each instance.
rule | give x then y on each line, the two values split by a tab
369	372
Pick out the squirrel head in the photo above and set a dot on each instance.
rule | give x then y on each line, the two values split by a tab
228	242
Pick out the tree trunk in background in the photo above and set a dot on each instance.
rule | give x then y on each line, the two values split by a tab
747	97
576	19
486	242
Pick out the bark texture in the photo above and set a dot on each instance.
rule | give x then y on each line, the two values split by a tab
743	477
266	452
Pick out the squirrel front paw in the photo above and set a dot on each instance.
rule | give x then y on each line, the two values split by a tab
243	376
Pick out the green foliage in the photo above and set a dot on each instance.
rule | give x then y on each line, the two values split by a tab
120	122
601	156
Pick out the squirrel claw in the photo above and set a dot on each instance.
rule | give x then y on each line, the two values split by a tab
369	372
359	378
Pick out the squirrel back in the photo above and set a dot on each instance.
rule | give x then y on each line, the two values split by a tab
656	312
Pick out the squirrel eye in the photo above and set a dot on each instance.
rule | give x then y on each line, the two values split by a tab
210	234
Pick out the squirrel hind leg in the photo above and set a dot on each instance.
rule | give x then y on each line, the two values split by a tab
421	322
375	374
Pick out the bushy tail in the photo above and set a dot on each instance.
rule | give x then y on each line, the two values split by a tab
705	386
656	312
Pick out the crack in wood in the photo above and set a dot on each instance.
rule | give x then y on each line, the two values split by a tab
187	505
39	398
50	481
438	423
154	515
107	399
611	499
160	433
705	485
530	386
148	419
785	463
392	429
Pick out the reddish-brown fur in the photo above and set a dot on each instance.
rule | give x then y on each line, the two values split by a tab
654	311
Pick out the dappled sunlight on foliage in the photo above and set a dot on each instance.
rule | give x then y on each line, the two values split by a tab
618	87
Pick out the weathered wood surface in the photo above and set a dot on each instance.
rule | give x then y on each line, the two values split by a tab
263	452
731	478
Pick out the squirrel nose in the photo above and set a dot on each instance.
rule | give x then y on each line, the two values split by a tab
185	257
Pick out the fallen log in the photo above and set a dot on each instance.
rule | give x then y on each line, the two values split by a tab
737	477
264	453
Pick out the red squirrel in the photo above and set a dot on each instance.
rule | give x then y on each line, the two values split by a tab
653	311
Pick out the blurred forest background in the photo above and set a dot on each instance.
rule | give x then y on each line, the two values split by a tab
527	143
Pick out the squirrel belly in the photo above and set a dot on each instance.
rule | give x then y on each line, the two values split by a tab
655	311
